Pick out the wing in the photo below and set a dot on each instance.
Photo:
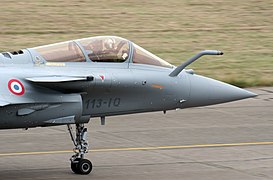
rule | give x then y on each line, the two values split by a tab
58	79
66	84
3	103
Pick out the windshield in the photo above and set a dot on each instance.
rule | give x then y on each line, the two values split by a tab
143	56
106	49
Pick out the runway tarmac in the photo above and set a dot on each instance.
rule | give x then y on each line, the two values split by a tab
229	141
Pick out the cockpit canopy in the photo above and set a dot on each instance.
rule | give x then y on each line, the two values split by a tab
106	49
99	49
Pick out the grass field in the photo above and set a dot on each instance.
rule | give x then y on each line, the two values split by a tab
172	29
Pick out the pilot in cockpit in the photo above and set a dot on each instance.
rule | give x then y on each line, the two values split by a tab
107	50
114	51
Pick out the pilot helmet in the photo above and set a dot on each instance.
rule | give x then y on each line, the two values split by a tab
109	43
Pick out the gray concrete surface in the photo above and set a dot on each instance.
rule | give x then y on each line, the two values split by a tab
239	122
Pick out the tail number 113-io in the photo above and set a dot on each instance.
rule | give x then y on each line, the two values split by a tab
98	103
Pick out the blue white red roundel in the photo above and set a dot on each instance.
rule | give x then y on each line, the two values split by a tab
16	87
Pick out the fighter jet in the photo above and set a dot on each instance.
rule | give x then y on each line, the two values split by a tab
70	82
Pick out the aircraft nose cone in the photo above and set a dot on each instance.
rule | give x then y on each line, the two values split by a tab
205	91
223	92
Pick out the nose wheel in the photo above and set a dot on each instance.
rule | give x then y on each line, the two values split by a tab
79	165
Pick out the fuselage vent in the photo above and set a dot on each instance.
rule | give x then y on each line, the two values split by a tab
7	55
17	52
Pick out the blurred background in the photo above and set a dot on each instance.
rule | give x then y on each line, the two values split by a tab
172	29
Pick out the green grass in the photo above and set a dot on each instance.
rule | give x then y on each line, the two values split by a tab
172	29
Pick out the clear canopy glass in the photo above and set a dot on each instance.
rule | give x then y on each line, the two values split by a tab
99	49
106	48
143	56
61	52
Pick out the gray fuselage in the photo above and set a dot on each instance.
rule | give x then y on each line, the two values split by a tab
114	89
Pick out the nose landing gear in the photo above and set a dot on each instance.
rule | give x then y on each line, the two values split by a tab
79	165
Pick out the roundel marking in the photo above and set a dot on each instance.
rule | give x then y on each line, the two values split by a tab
16	87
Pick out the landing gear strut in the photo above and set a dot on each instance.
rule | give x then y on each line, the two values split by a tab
79	165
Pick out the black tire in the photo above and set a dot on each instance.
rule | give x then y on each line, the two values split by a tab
84	166
74	168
